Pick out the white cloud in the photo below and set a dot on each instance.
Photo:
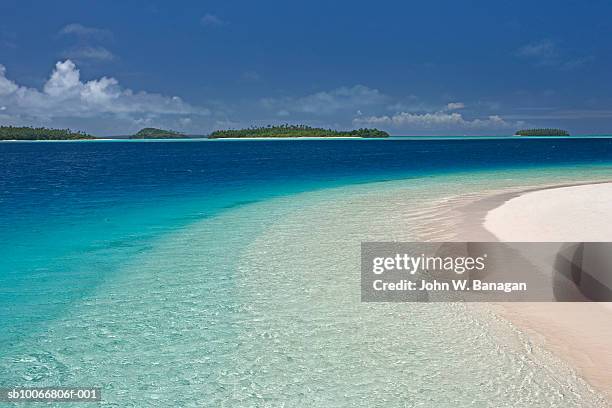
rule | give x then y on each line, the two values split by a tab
433	121
455	106
329	102
211	20
65	95
6	86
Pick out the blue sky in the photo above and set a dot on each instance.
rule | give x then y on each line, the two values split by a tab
412	68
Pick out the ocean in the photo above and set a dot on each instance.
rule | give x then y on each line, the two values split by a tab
226	273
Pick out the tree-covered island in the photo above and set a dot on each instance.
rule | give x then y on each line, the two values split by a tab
41	133
154	133
542	132
295	131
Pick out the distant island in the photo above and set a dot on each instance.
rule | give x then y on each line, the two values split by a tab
41	133
154	133
295	131
542	132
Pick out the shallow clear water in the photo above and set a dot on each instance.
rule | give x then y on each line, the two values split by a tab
178	274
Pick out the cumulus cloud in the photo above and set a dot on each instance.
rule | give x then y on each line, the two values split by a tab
211	20
65	95
329	102
433	121
6	86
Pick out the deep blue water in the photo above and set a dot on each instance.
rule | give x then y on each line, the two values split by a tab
60	177
77	209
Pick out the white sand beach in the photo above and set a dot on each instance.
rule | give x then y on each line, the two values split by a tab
568	214
578	333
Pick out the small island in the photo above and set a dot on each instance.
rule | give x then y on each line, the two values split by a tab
284	131
154	133
542	132
41	133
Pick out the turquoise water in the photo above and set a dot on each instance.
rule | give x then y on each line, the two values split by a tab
226	274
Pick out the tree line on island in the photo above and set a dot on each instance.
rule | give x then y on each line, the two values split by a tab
41	133
295	131
542	132
280	131
154	133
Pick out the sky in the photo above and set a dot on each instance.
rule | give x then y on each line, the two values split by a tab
409	67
